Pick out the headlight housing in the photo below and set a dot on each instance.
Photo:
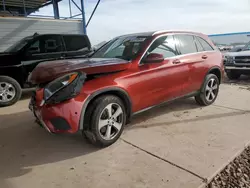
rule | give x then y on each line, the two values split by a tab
64	87
229	59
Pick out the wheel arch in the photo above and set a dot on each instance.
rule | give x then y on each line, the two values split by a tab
13	74
121	93
216	71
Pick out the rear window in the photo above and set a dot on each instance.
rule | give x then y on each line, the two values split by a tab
76	43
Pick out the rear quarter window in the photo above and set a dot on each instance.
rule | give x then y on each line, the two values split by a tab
206	46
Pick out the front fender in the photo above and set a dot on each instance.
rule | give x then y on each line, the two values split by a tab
111	90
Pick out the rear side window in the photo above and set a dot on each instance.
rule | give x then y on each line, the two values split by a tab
76	43
205	44
186	44
164	45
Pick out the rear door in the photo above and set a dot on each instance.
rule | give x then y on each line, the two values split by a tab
192	60
206	55
76	45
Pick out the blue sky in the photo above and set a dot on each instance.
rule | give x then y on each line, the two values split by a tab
116	17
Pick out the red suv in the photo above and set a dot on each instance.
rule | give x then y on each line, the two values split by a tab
131	73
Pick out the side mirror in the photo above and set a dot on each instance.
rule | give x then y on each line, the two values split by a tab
238	50
154	58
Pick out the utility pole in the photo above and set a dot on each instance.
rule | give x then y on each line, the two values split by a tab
56	9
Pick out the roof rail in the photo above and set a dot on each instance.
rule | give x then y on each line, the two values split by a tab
161	31
164	31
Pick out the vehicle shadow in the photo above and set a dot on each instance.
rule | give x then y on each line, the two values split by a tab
180	105
24	144
184	106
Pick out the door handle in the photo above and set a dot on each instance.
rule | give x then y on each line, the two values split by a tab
176	61
204	57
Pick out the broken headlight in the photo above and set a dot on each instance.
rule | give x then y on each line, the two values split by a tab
64	88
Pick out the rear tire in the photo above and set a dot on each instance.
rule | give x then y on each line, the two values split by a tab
106	118
233	75
10	91
209	90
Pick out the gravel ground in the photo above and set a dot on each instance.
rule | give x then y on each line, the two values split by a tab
236	174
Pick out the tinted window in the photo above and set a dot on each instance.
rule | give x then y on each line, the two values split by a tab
76	43
165	46
35	47
186	44
46	44
19	45
205	44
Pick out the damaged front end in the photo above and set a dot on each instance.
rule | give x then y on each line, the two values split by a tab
52	106
63	88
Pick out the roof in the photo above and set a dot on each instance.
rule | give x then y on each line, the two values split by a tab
154	33
176	31
20	4
17	6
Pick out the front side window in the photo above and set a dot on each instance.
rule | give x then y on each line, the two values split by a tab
76	43
19	45
46	44
125	47
164	45
186	44
205	44
35	47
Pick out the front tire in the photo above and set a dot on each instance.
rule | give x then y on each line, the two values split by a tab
10	91
233	75
209	91
106	118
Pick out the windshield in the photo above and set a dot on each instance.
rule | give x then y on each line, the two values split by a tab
246	47
126	47
18	45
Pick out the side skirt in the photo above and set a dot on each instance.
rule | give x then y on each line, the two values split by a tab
167	102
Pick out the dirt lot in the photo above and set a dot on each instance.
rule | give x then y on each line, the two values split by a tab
178	145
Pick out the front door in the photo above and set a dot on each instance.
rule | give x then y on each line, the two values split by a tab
161	81
43	48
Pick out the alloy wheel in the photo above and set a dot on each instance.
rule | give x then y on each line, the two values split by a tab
110	121
211	90
7	92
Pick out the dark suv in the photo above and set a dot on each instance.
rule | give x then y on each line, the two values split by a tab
18	61
237	63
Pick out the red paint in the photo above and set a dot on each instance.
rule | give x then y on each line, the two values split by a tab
147	84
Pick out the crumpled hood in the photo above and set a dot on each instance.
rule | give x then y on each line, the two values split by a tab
48	71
